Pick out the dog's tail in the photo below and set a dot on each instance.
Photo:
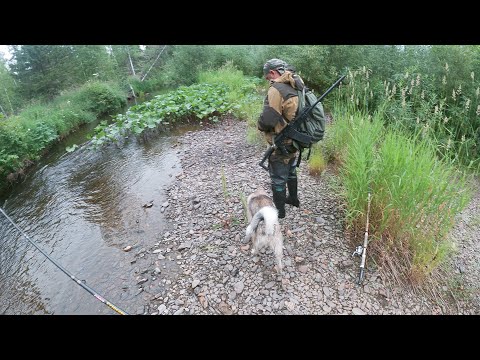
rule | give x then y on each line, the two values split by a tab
268	214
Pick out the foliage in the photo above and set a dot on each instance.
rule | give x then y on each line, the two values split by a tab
10	100
100	98
415	196
413	102
25	137
316	162
199	101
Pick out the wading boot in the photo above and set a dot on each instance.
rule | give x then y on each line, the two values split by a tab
279	201
292	197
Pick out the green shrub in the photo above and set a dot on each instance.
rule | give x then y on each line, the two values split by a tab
101	98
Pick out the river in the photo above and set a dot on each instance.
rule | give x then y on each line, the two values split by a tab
83	208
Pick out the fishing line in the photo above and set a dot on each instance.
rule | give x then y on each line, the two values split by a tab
70	275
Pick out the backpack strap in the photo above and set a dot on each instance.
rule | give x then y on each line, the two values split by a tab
300	155
285	90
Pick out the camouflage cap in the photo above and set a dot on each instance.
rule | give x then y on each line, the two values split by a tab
274	64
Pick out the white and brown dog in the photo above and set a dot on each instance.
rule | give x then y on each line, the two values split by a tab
264	228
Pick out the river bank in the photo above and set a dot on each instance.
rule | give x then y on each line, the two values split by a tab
201	265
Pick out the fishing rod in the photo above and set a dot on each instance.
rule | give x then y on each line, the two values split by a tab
362	250
70	275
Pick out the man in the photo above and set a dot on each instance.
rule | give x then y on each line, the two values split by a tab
280	107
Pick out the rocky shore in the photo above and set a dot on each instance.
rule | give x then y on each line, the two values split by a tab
201	264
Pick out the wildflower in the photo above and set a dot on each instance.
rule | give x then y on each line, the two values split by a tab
436	110
394	90
418	120
425	129
423	94
472	75
467	104
351	98
449	143
444	80
371	94
478	110
406	75
357	101
459	91
478	91
453	95
446	67
418	79
445	119
463	138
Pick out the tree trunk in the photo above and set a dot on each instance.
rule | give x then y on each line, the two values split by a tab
144	76
8	98
131	63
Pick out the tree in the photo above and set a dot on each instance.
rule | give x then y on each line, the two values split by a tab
9	99
43	70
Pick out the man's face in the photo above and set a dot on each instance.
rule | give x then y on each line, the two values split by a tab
271	75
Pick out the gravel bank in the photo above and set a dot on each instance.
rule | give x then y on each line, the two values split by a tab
201	265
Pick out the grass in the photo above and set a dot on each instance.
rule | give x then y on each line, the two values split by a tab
316	162
415	196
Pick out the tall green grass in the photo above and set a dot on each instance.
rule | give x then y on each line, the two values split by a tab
242	90
415	196
449	115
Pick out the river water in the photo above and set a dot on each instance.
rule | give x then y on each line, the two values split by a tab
83	208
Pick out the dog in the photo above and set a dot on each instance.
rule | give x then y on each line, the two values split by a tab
264	228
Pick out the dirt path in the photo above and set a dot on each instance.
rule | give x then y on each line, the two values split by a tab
200	264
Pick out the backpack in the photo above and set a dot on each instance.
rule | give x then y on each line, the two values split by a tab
314	125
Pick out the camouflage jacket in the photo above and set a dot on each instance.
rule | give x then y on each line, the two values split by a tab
280	105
